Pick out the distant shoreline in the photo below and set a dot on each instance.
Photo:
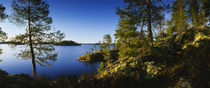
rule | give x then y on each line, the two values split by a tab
53	44
78	44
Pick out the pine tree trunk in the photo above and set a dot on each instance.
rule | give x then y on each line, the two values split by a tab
142	32
31	44
180	19
203	17
149	22
160	25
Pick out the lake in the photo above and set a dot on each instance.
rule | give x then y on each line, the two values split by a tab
66	63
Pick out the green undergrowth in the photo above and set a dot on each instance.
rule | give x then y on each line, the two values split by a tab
177	60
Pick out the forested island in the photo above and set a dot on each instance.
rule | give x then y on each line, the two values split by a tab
66	43
150	51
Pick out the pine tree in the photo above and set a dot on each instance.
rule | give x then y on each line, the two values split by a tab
145	13
179	17
34	14
3	35
2	13
193	11
107	42
205	12
128	41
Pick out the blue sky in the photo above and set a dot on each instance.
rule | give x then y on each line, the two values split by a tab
83	21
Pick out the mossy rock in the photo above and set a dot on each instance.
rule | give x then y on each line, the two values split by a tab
91	58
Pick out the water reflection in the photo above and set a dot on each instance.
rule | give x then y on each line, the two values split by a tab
65	64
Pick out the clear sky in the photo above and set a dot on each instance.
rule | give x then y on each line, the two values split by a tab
83	21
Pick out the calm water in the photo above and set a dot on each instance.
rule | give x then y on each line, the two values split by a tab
66	64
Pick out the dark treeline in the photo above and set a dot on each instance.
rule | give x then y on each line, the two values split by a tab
60	43
150	51
66	43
